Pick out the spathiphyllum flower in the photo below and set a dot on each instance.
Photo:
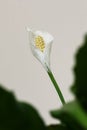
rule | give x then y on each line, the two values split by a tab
40	43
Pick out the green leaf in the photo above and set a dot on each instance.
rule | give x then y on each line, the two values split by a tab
16	115
57	127
72	115
80	71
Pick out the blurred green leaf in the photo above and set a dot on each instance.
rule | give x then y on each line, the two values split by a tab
80	70
15	115
72	115
57	127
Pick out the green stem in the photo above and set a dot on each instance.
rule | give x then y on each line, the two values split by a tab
56	86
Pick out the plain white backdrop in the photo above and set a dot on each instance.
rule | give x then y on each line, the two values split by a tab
66	20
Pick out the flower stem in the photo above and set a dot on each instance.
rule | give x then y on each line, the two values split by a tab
56	86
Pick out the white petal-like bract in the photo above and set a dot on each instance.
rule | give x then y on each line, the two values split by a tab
40	43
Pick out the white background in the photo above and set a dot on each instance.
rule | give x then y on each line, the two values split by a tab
66	20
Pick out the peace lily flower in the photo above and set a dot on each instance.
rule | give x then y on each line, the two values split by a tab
40	43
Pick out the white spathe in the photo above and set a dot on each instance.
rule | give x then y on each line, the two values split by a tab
43	57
